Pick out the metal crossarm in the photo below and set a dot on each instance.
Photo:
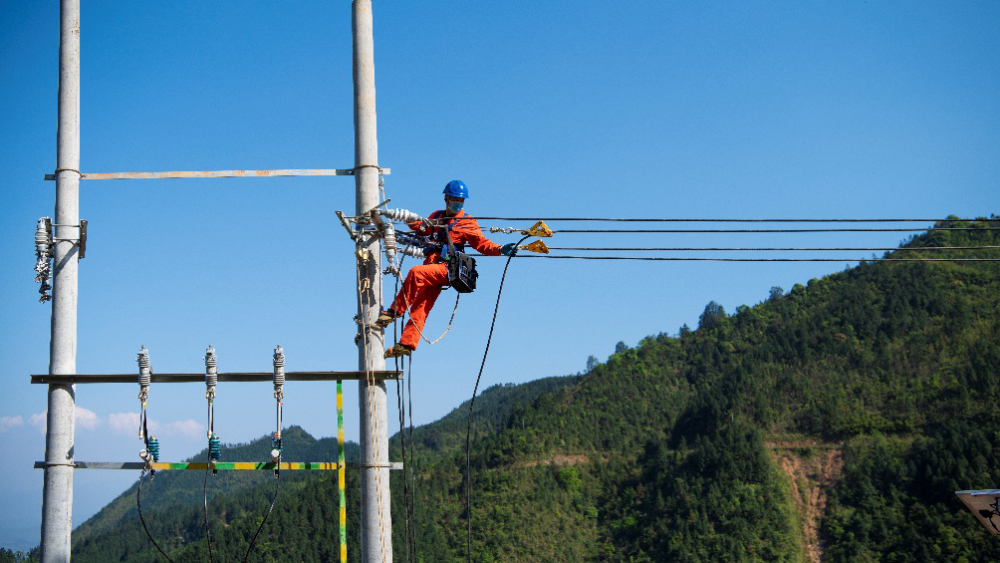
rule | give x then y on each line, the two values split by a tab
216	174
219	465
238	377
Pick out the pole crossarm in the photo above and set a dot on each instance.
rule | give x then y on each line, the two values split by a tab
235	377
217	174
220	465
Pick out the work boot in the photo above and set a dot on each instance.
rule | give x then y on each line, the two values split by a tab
385	318
398	350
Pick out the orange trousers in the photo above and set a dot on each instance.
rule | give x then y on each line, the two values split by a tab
419	292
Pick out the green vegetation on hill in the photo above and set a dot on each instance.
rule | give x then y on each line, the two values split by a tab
661	453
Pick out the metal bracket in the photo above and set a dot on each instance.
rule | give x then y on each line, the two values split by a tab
347	225
81	241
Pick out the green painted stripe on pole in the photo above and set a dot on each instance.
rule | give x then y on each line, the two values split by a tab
341	477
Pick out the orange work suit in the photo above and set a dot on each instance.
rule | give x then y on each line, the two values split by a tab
424	283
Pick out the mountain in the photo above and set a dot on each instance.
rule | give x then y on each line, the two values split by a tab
830	423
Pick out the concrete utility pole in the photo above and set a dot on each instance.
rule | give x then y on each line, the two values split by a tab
376	521
57	501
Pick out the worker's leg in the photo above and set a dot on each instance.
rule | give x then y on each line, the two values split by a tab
420	290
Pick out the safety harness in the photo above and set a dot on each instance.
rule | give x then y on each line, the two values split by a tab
462	272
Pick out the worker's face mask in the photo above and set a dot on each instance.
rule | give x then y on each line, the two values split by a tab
455	206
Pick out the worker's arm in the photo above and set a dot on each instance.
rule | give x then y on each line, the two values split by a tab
473	236
425	226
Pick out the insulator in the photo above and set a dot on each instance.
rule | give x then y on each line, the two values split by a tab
401	215
389	243
276	448
144	369
415	251
43	254
279	368
43	234
214	448
153	449
211	369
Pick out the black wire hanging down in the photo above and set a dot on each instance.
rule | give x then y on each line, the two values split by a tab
275	443
472	403
138	503
277	483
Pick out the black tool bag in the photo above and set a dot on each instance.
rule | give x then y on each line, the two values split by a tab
462	272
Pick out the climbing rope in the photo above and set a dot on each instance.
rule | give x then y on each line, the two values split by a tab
407	303
401	408
364	285
472	403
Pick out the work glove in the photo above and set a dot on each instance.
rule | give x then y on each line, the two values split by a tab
509	249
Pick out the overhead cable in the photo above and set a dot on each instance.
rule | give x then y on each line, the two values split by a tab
871	230
768	249
702	259
673	220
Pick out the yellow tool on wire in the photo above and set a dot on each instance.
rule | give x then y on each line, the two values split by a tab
537	246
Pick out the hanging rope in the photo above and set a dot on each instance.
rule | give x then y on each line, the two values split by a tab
472	403
364	285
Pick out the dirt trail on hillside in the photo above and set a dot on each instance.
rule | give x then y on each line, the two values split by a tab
813	467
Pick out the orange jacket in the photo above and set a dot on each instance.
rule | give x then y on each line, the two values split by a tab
464	230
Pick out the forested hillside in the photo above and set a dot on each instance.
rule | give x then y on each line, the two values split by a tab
833	422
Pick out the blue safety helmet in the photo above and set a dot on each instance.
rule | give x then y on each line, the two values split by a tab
457	188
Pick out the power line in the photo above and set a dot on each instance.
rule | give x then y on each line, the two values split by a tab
869	230
702	259
768	249
670	220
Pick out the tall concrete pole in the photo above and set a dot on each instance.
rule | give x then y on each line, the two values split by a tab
376	522
57	502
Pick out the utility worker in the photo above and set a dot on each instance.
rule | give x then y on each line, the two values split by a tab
424	283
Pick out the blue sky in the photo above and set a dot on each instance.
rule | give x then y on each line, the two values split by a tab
557	108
